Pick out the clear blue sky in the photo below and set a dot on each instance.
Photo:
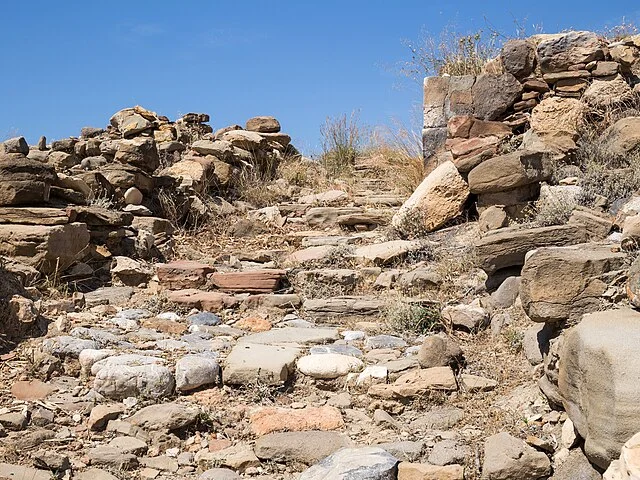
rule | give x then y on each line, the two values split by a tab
69	64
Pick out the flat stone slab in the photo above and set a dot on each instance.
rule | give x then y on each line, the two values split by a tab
508	247
303	447
108	296
249	363
251	281
36	215
183	274
18	472
386	252
273	419
348	305
417	383
292	336
209	301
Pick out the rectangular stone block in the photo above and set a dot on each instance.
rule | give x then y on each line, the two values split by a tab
433	140
435	91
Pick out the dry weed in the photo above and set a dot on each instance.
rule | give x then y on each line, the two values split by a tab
450	52
403	315
397	154
341	143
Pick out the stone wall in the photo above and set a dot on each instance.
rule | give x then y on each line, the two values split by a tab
532	80
502	129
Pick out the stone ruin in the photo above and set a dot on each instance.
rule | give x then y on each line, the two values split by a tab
54	218
499	129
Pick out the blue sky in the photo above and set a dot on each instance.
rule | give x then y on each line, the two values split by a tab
69	64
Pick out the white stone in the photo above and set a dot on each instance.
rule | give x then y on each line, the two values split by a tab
121	381
133	196
90	356
194	371
329	365
372	374
569	437
127	359
353	335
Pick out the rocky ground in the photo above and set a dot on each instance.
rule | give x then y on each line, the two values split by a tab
179	303
315	345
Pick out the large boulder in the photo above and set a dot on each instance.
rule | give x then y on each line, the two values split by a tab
15	145
263	124
623	137
607	92
246	140
506	172
508	247
48	248
599	380
439	198
627	55
493	95
518	57
560	283
131	121
556	53
140	152
556	121
24	181
195	172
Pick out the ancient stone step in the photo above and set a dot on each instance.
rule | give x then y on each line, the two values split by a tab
253	281
369	219
208	301
292	336
386	252
326	307
389	200
183	274
327	198
507	247
323	217
36	215
47	248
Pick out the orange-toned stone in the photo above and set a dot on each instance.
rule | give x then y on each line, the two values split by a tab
459	126
183	274
273	419
164	326
251	281
216	445
33	390
208	301
254	324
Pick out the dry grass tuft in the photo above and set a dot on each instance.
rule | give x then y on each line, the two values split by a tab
397	154
342	139
403	315
450	52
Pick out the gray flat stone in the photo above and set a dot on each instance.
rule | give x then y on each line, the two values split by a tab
303	447
249	363
292	335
